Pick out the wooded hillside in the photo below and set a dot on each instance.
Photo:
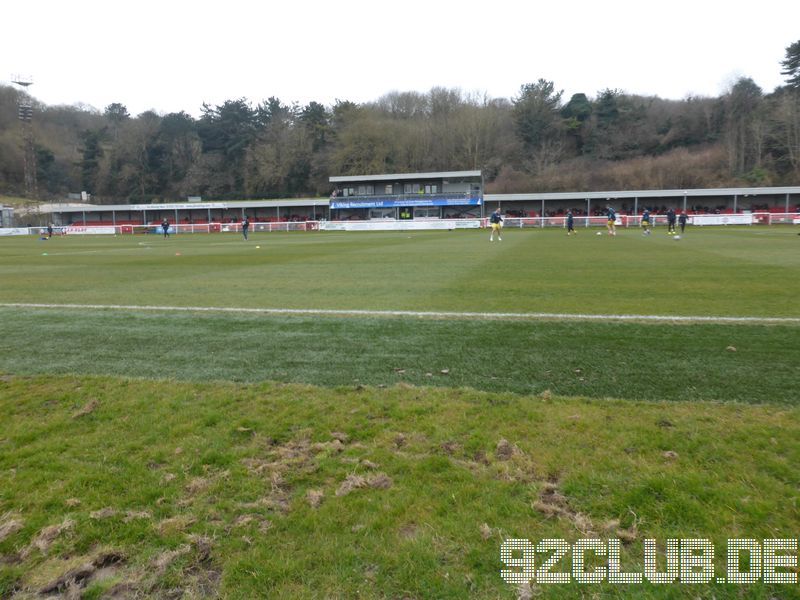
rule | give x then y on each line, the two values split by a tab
536	141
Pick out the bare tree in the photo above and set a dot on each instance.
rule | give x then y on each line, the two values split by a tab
785	128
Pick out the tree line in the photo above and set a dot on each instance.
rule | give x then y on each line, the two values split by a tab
535	141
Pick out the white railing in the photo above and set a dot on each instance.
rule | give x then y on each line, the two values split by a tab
181	228
755	218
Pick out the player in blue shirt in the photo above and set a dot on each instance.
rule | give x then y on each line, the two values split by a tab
682	221
646	222
496	222
612	220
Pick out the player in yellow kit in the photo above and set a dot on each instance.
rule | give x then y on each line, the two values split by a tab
496	222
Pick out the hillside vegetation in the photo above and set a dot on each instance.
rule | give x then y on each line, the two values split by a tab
536	141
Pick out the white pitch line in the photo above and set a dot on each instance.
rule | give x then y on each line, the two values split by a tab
412	313
76	252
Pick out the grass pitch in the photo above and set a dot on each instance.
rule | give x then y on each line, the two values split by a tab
711	272
165	454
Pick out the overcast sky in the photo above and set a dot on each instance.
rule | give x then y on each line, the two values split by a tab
173	55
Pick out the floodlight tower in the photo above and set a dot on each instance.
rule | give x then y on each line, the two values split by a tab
25	115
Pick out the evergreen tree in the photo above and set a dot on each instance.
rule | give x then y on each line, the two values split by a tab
91	152
227	132
791	65
536	112
576	114
315	119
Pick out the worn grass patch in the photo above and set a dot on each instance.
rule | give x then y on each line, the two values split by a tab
166	489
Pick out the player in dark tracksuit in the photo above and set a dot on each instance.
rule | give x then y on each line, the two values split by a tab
245	227
670	222
165	228
682	221
570	223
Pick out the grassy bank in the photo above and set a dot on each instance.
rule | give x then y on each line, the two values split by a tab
163	488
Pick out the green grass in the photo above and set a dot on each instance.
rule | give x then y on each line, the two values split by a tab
658	361
233	464
731	272
204	432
